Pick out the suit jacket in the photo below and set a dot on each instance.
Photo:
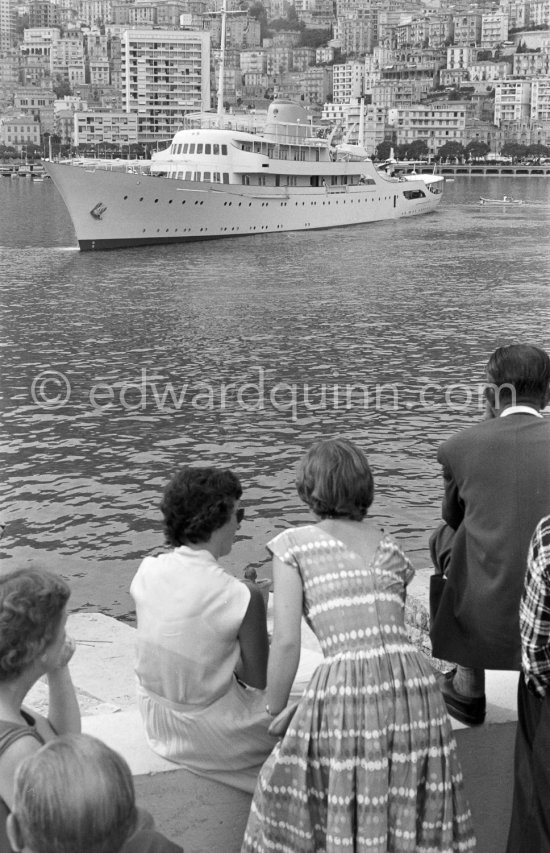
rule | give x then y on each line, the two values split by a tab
497	488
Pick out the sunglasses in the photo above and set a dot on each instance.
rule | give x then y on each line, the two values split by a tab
240	515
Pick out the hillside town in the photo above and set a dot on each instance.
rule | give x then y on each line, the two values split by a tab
431	78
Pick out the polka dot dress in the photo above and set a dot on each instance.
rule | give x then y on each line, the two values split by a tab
369	761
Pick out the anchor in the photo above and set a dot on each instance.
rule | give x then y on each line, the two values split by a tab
98	211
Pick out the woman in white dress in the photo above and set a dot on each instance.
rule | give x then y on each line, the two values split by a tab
202	638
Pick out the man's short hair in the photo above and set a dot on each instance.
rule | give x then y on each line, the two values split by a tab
519	371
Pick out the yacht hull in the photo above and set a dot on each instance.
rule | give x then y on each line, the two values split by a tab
117	209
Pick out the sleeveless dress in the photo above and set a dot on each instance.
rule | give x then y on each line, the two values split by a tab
368	762
196	713
9	733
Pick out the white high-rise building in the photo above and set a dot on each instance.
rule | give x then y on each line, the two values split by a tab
540	100
7	25
512	100
348	82
165	75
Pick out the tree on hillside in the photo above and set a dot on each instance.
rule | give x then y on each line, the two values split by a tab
416	150
538	150
450	150
514	149
314	38
383	150
257	10
476	148
61	87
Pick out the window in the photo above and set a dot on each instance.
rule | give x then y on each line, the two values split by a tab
225	174
207	149
206	176
189	176
224	151
216	149
191	149
185	148
216	177
199	149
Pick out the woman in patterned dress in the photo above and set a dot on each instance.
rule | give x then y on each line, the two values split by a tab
368	762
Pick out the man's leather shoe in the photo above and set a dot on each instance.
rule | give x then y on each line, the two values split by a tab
465	709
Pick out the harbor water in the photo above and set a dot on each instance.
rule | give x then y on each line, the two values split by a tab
118	367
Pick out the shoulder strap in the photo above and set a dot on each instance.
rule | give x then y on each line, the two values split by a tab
10	732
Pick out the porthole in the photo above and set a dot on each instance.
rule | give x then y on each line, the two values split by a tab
141	199
156	201
125	198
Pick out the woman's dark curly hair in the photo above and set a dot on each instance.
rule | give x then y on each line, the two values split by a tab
196	502
334	479
31	605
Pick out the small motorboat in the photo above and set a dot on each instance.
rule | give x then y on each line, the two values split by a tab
506	199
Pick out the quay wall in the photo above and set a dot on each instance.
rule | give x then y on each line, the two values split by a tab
207	817
485	169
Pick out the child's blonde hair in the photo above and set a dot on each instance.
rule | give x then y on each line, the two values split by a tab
74	794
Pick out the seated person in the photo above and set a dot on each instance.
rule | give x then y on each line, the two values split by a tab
202	642
76	795
32	644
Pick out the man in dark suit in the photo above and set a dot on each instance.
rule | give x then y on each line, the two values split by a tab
497	488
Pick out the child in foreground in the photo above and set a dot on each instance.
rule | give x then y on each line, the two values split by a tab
77	794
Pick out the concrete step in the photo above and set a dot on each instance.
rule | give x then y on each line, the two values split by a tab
182	803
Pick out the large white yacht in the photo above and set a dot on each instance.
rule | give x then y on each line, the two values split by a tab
223	179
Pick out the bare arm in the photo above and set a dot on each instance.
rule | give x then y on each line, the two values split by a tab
63	711
284	655
253	641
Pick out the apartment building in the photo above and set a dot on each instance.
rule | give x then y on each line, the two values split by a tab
38	41
316	85
36	104
531	64
460	56
512	100
19	131
9	75
315	14
164	76
452	77
467	28
488	71
348	117
354	34
540	100
303	58
348	81
494	28
44	14
324	55
440	30
518	13
540	13
8	24
278	60
241	32
436	123
253	61
95	128
399	93
92	11
67	59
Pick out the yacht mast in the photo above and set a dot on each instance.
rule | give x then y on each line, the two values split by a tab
221	69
